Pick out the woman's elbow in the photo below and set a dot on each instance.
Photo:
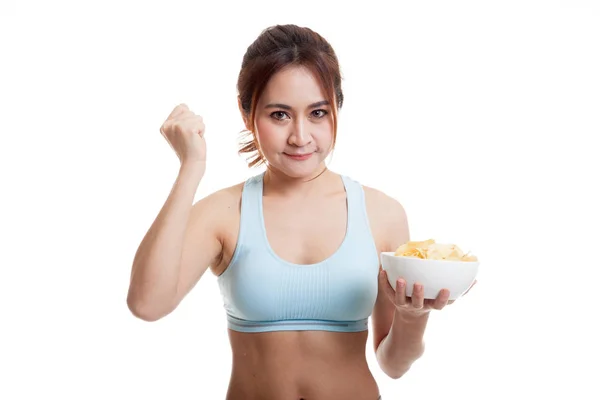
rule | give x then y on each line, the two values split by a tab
144	311
395	373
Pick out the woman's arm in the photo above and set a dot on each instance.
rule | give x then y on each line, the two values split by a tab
398	336
177	249
403	344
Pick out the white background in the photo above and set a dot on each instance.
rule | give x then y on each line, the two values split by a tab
479	117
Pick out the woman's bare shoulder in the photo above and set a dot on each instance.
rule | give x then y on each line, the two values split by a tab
223	198
385	204
387	217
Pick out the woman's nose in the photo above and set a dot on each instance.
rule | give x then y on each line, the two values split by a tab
299	135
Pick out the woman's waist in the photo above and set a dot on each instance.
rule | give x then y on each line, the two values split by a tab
301	365
323	387
299	346
319	378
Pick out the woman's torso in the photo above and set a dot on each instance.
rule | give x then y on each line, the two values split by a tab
306	364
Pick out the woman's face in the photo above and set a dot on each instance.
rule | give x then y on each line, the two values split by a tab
293	124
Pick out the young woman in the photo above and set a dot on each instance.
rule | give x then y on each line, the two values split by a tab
296	248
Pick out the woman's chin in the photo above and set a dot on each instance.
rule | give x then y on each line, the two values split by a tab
299	169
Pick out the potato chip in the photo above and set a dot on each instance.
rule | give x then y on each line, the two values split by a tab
430	250
438	251
413	248
469	257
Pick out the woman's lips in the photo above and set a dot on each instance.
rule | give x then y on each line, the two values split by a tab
299	157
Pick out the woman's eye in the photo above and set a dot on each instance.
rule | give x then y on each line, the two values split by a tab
319	113
279	115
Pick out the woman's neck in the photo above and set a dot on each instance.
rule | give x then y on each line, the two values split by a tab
279	184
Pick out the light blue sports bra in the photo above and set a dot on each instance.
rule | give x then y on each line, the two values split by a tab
262	292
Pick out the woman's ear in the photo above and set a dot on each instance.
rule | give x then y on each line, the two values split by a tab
244	117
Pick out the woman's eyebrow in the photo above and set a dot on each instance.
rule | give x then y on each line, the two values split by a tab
286	107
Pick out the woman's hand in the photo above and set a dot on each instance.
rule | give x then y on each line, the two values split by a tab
184	131
417	303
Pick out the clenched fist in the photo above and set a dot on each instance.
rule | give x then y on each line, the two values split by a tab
184	131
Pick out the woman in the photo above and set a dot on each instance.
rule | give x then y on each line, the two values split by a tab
296	248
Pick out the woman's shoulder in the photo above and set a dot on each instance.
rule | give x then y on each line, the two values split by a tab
227	199
387	216
232	192
378	199
391	208
221	201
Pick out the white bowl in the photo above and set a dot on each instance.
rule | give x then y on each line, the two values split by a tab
434	275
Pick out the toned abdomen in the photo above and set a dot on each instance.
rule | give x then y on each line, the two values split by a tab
310	365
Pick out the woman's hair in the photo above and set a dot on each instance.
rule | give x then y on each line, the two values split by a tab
275	48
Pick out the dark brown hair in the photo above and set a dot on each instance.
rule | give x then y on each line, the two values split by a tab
275	48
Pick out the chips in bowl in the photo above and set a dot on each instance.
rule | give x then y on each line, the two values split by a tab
434	265
430	250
